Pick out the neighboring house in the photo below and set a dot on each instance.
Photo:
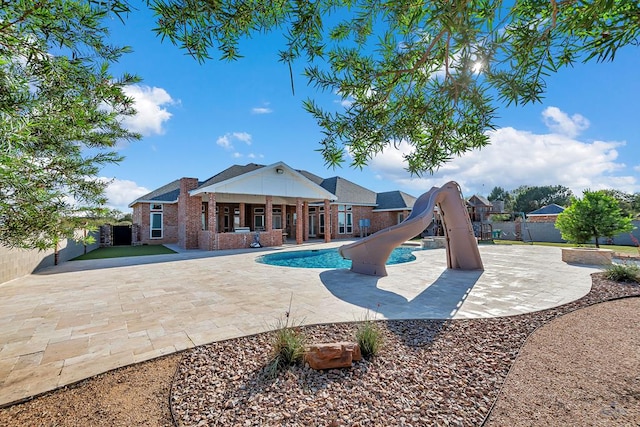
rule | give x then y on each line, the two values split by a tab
479	208
547	213
234	206
393	207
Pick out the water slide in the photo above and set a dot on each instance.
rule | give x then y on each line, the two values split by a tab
369	255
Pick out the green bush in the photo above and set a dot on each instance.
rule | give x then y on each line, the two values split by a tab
288	348
623	273
369	338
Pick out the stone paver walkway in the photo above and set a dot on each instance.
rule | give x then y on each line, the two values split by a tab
82	318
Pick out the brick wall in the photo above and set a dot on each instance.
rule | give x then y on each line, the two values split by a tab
189	214
542	218
142	217
208	240
378	220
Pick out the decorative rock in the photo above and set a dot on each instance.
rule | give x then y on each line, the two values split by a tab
434	242
332	355
587	256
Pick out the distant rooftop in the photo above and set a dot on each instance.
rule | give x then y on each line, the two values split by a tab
551	209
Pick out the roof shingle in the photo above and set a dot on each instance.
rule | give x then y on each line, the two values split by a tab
392	200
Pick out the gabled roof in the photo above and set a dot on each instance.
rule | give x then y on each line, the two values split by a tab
349	192
476	199
277	179
551	209
394	201
310	176
165	194
231	172
337	189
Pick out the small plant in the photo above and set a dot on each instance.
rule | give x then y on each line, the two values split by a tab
288	346
623	273
369	337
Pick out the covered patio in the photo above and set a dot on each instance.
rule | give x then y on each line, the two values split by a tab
268	205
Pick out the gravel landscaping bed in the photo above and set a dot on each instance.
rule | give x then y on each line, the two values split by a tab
429	372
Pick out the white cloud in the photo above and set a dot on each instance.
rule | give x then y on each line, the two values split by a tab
559	122
151	114
226	141
243	136
121	192
515	158
261	110
346	103
238	155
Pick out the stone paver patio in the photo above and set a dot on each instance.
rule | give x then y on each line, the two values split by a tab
73	321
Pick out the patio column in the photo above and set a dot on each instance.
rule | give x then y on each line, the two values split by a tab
268	226
189	214
327	221
286	233
299	237
212	221
305	215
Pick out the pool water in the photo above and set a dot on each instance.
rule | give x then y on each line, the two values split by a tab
328	258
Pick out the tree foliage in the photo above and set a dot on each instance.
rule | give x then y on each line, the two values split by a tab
499	193
530	198
428	73
60	111
629	203
594	216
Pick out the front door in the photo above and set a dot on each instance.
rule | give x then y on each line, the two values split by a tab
312	225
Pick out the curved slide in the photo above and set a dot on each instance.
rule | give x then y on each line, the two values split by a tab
369	255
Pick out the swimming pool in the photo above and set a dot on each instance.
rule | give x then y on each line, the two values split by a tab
328	258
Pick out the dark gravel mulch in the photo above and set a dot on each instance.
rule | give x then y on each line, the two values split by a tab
429	372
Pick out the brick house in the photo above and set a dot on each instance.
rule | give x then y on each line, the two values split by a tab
547	213
231	208
479	208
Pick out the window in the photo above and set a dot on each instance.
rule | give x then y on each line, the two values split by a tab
277	218
205	214
156	225
345	219
258	219
400	217
236	218
156	221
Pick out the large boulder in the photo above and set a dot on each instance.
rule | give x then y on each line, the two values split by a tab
332	355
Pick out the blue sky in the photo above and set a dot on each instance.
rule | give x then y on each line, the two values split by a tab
198	119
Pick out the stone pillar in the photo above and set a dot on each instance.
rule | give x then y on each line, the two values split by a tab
212	221
327	221
299	236
305	215
189	211
268	215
